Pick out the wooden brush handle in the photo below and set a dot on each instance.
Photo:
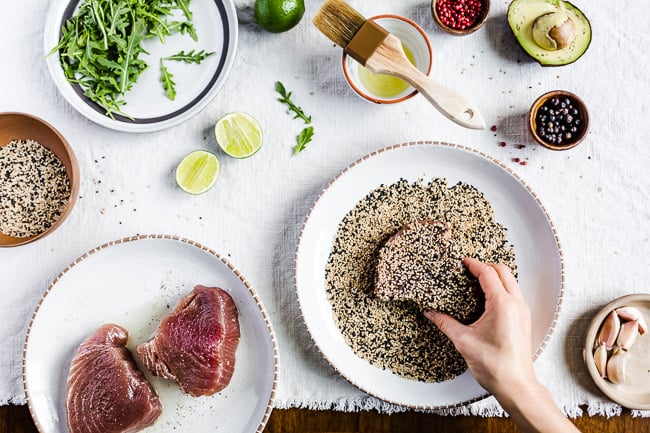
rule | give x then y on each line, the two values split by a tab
389	59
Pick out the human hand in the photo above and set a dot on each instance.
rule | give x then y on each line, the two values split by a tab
497	347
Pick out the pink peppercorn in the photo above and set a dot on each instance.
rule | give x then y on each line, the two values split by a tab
459	14
493	128
502	144
524	163
517	160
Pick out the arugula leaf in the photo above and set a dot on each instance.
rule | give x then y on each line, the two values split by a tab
168	83
184	5
181	56
189	57
303	138
131	52
286	99
184	27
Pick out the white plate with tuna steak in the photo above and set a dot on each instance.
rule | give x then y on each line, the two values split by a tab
135	282
529	230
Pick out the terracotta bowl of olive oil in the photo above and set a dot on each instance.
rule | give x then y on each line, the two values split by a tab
385	89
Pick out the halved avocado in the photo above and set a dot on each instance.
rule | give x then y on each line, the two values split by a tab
553	32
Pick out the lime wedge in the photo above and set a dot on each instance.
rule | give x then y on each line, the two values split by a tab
238	134
197	172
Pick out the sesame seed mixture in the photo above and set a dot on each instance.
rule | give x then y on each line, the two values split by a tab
34	188
395	335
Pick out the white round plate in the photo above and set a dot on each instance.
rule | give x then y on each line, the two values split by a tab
134	283
537	250
196	85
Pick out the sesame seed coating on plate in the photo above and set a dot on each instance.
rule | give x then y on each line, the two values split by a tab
394	335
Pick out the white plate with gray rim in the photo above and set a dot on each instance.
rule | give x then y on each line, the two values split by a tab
135	282
196	85
537	250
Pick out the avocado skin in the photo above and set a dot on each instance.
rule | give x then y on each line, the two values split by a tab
520	24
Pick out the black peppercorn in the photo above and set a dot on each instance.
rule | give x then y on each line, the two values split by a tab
558	121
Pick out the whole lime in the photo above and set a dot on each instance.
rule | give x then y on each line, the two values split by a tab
278	16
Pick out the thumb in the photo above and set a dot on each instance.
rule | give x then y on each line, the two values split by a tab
449	326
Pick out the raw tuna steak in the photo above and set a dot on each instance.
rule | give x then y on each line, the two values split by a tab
106	391
195	345
420	264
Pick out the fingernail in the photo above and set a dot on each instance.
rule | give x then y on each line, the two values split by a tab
430	314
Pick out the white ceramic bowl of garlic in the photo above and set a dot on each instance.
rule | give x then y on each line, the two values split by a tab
617	350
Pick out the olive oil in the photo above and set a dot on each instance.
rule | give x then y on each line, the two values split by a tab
384	86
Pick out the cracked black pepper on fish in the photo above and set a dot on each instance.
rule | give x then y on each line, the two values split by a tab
393	334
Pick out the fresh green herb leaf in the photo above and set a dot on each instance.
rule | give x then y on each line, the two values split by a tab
167	81
286	99
184	27
184	5
131	52
303	138
189	57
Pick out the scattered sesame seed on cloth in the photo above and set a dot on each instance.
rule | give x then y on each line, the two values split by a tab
393	334
34	188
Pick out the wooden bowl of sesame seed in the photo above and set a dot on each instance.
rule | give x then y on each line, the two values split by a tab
40	179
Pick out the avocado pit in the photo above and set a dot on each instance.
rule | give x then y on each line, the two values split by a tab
553	31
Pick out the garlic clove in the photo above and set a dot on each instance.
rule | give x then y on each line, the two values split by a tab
632	313
628	313
643	325
629	332
609	331
616	366
600	359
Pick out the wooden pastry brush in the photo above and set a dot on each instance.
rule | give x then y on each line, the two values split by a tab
381	52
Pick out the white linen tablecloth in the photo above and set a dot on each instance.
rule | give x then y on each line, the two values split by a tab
597	194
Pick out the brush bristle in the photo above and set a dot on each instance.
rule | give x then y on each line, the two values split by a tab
338	21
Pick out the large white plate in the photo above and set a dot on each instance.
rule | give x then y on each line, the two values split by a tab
134	282
196	85
537	249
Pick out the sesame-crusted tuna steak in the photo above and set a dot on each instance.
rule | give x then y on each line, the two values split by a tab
195	345
106	392
419	264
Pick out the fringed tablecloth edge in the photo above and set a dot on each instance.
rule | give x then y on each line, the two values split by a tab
372	404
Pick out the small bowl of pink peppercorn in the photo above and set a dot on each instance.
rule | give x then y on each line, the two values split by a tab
460	17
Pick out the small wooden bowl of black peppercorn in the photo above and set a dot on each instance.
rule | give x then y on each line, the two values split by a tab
460	17
558	120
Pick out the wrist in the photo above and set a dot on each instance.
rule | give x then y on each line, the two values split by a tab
512	393
532	408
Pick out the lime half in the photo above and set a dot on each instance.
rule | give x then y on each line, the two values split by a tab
238	134
197	172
